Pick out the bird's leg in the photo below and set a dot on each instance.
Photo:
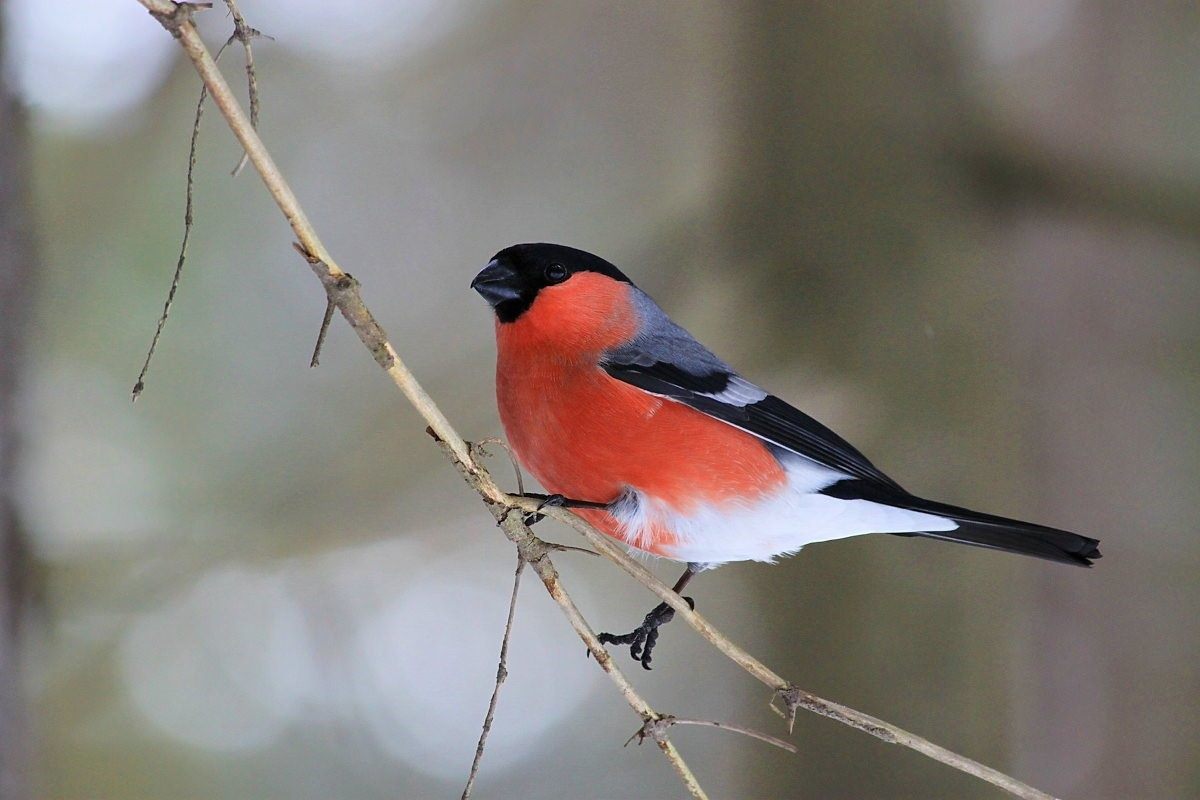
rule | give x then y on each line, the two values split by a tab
641	640
556	501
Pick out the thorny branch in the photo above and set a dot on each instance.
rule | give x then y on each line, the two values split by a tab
342	290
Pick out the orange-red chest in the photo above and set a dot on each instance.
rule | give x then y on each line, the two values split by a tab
589	436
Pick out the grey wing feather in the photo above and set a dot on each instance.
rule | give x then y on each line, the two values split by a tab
666	360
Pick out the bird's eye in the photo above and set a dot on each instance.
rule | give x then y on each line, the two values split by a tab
556	273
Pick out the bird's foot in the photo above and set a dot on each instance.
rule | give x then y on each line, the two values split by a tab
555	501
641	640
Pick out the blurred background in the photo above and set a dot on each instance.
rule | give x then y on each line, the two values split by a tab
965	234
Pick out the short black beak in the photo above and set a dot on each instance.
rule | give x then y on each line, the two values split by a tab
497	283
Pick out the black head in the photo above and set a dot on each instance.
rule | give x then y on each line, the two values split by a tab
511	281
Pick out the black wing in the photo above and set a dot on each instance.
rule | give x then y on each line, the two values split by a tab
723	395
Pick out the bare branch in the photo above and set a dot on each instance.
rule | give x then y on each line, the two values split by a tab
343	291
501	676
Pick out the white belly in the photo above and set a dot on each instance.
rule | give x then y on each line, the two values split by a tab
767	528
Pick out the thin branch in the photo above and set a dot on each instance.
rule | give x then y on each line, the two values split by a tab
315	361
140	384
501	676
570	548
243	33
480	449
666	722
343	291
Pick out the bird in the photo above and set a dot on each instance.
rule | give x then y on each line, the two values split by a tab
631	423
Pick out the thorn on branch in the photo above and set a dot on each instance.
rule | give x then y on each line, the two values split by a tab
315	361
342	290
342	283
653	728
303	251
794	697
180	14
790	696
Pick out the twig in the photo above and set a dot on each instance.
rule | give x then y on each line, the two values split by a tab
501	676
140	384
649	728
244	34
478	449
343	290
570	548
315	361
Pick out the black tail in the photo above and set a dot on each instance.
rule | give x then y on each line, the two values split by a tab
981	530
1013	536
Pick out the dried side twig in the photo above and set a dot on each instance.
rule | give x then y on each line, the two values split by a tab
652	729
342	290
479	450
501	676
315	361
244	34
188	219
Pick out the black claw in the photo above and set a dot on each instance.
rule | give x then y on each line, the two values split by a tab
651	639
550	501
641	640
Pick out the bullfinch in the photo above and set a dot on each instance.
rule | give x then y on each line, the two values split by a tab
641	430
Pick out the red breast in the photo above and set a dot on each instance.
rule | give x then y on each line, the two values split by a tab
588	436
